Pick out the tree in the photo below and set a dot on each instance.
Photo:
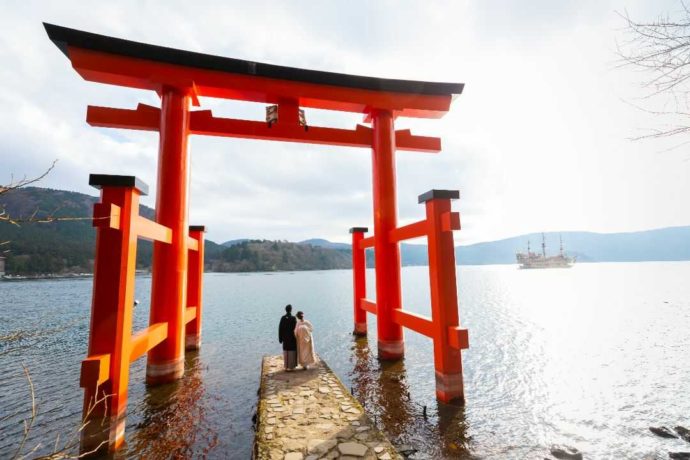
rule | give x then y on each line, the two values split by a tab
661	50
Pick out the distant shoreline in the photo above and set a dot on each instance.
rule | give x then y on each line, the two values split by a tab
48	276
53	276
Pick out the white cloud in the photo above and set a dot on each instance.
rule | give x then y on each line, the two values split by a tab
536	142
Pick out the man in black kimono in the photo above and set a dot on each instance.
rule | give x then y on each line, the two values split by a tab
286	336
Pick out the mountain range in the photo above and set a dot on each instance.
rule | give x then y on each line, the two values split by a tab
67	246
664	244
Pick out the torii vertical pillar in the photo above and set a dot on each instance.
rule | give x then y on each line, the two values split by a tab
386	252
359	281
169	272
195	282
449	339
105	374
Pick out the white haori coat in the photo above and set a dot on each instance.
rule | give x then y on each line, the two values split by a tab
305	343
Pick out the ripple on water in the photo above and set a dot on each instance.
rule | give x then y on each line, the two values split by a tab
589	357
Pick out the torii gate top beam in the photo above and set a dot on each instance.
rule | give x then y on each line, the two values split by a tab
110	60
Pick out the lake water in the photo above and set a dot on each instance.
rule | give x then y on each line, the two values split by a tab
589	357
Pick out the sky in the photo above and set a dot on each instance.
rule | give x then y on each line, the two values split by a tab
540	139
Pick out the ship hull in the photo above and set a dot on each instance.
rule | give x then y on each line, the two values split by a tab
538	265
534	261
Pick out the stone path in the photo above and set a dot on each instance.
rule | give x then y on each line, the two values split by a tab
309	415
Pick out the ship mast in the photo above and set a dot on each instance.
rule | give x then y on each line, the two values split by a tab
543	246
560	237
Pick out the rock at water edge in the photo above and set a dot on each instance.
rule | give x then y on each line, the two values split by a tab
683	432
662	431
566	453
679	455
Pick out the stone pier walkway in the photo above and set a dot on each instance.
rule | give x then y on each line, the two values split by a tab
310	415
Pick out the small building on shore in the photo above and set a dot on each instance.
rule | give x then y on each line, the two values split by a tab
2	266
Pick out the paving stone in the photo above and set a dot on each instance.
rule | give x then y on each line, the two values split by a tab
325	426
352	448
308	416
293	444
345	433
320	446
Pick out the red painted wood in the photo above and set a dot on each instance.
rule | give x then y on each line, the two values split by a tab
202	122
138	73
105	392
359	283
444	301
195	291
169	271
386	252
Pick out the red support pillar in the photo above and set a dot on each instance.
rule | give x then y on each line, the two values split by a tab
359	281
105	373
448	338
386	252
194	287
169	272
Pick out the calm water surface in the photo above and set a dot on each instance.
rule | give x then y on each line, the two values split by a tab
589	357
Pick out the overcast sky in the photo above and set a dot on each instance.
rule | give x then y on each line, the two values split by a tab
538	141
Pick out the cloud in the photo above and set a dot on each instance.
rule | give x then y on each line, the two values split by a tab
536	142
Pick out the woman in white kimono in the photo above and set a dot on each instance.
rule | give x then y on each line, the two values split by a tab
305	342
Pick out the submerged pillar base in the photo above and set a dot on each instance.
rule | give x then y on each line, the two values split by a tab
159	373
192	342
360	329
449	388
102	434
391	349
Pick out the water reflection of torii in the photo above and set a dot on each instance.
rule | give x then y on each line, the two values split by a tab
180	78
382	387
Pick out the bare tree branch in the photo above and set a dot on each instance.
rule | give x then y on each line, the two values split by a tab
660	49
13	185
38	216
30	422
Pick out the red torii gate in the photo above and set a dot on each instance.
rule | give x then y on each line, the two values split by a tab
180	78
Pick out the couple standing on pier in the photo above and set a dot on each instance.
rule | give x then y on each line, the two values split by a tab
298	344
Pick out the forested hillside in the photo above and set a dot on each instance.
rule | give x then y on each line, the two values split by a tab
263	255
55	246
67	246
